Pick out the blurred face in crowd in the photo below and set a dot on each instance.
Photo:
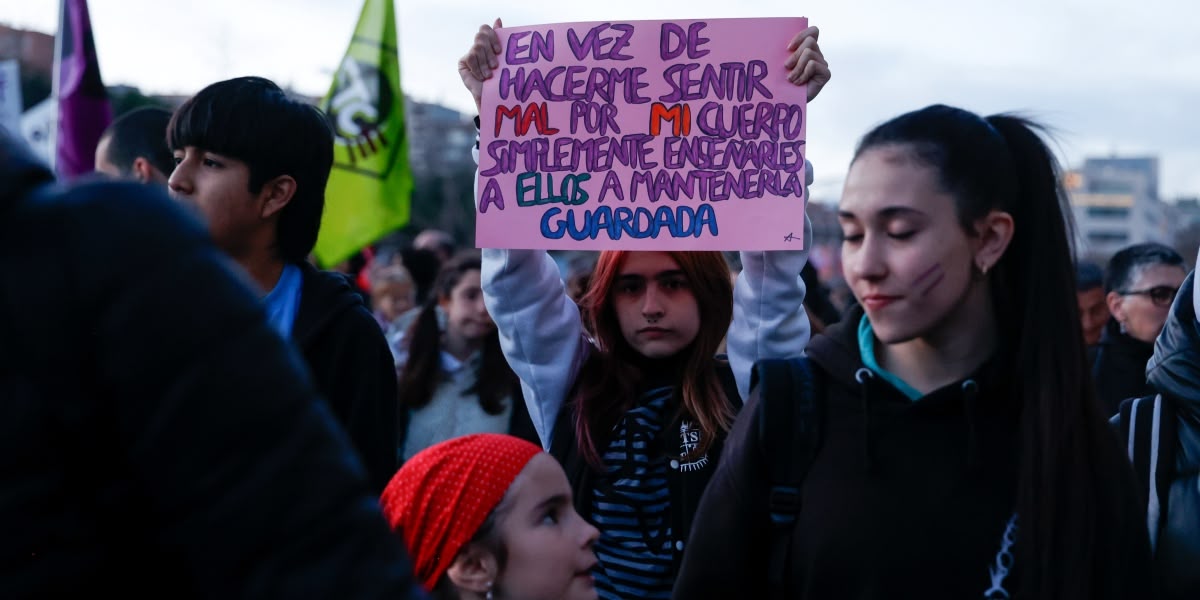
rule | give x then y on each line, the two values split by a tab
1093	313
438	242
393	298
141	170
549	545
655	306
905	255
467	319
218	188
103	165
1142	308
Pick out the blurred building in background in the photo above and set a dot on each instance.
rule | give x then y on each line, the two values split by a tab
1116	203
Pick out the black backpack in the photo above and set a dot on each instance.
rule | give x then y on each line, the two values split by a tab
789	422
1149	430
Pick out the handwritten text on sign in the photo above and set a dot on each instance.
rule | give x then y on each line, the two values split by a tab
649	135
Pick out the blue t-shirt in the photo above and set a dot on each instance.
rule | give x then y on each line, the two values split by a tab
284	301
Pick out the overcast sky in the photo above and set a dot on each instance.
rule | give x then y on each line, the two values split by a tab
1110	76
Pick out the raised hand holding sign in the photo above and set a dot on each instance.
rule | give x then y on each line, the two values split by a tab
643	135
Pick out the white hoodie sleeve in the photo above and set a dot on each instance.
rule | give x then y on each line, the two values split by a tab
540	329
769	320
541	332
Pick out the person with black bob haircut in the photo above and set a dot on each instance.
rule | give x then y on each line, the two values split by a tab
959	449
135	147
254	163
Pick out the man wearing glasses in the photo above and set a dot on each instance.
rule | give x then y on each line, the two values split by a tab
1141	281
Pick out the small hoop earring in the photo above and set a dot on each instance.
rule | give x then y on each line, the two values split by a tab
489	594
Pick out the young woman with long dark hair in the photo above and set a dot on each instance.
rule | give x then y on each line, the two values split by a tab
962	452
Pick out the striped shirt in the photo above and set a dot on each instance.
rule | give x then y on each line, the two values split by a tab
631	507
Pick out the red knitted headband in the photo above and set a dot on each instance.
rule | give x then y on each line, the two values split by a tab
440	497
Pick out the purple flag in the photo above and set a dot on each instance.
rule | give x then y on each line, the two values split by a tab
83	109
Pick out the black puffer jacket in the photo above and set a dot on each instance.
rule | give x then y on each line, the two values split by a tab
1174	371
157	438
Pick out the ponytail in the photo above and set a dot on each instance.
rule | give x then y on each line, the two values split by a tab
1078	512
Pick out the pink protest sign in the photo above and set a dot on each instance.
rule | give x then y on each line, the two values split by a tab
643	135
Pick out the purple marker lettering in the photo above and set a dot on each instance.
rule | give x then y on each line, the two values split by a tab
671	41
601	48
513	55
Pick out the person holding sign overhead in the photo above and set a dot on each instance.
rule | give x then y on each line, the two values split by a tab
633	402
952	447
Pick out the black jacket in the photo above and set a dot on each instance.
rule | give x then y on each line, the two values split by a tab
1174	371
905	499
687	480
1119	370
352	366
156	436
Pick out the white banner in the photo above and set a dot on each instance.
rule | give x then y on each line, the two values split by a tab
10	94
36	126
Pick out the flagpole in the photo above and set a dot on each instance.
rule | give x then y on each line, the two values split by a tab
54	85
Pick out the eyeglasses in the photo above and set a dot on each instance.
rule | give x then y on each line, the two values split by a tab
1160	295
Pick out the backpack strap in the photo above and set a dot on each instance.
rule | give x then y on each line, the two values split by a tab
1148	426
1164	472
788	426
728	382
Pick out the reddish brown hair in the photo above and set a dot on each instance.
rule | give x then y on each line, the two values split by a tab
608	383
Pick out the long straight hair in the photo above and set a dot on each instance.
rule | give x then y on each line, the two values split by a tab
1079	516
421	373
609	381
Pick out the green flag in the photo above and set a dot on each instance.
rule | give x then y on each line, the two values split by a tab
369	187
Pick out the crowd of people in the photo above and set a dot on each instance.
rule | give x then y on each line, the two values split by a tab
193	408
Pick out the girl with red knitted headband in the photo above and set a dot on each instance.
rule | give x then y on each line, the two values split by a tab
491	516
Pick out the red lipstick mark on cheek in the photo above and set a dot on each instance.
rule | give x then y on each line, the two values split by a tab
929	279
